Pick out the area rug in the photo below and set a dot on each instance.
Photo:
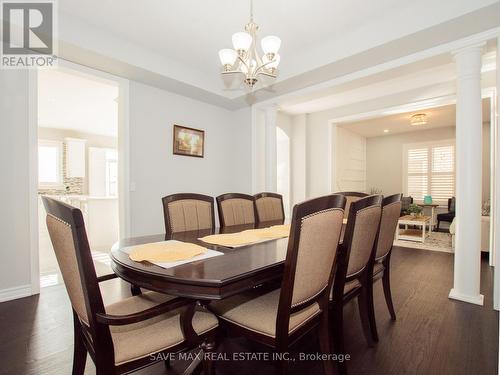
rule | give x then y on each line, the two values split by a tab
437	241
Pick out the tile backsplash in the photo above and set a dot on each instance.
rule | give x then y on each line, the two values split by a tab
71	185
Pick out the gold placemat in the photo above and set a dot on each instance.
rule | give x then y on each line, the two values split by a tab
248	237
167	251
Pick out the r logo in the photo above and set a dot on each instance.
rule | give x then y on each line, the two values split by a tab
28	28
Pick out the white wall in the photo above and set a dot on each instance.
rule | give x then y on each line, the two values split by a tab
284	162
349	161
298	158
156	172
14	187
319	151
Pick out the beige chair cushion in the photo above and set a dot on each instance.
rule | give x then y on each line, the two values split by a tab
189	214
62	240
134	341
258	313
237	211
347	287
365	231
388	224
269	208
319	238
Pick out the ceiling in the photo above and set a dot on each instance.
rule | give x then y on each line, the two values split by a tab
173	44
72	101
439	117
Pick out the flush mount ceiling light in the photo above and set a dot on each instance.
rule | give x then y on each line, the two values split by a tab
418	119
244	59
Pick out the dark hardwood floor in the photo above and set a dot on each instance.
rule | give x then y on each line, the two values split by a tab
433	335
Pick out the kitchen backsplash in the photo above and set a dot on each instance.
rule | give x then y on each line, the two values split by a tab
73	185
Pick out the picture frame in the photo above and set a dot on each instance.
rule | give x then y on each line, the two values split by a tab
188	141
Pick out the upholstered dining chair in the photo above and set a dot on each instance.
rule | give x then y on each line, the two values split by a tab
280	317
405	205
354	276
132	333
236	209
391	207
269	207
447	216
187	212
351	196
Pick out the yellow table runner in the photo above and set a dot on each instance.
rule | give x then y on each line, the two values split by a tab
166	251
249	236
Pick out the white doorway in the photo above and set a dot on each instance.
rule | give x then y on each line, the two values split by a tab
80	146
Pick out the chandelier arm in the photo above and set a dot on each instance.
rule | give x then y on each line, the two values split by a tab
267	74
233	72
262	66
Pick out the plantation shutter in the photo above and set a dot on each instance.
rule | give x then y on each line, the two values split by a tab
430	170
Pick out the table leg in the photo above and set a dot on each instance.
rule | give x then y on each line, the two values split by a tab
423	232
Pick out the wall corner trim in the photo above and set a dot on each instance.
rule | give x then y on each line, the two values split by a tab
15	293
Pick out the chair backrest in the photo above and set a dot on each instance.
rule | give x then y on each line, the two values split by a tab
361	232
269	207
312	252
351	196
69	239
236	209
451	204
391	208
187	211
405	204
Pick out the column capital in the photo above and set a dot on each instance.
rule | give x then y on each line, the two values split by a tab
471	48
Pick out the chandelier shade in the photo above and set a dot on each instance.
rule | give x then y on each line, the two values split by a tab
270	44
228	56
244	57
242	41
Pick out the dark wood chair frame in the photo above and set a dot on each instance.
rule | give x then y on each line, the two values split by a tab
353	194
223	197
283	340
364	276
96	337
183	196
264	195
383	274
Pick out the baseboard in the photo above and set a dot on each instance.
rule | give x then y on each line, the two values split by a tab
475	299
15	293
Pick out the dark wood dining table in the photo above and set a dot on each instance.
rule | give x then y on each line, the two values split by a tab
237	270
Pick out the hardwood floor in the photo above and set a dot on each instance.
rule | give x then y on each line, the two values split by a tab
433	335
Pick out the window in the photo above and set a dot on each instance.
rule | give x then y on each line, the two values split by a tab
50	163
111	173
430	170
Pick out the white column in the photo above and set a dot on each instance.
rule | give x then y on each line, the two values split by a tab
271	158
495	201
468	175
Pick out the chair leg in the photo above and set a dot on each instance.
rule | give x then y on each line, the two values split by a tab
282	365
324	341
437	226
364	315
387	291
135	290
209	348
371	312
79	350
337	324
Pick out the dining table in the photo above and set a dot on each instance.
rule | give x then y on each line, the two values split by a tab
236	270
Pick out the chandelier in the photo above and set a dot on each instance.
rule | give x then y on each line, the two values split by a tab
244	58
418	119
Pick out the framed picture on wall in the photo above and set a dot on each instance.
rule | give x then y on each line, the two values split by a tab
189	141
